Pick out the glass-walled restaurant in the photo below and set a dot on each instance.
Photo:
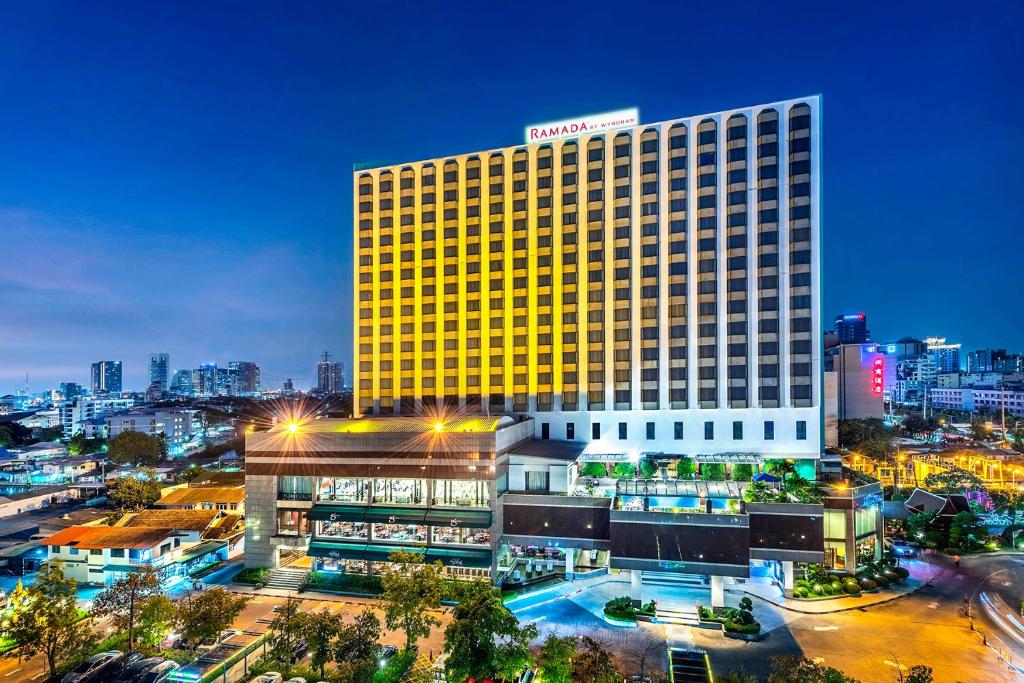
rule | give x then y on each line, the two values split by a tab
356	522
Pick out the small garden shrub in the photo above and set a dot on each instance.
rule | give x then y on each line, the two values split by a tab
255	576
594	469
623	470
742	472
347	583
620	608
685	468
712	471
867	584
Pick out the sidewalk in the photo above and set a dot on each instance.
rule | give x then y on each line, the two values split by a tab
921	573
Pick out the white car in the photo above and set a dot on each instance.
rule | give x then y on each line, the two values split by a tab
269	677
297	679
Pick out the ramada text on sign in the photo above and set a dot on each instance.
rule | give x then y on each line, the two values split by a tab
585	124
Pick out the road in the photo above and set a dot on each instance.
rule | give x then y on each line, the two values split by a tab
996	606
869	644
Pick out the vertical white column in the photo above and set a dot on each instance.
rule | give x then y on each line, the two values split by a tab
636	590
570	563
717	591
787	578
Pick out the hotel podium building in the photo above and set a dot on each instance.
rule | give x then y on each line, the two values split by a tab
607	296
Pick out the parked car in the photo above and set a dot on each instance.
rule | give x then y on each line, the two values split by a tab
91	668
134	668
223	637
269	677
903	549
158	672
297	679
386	653
299	652
122	665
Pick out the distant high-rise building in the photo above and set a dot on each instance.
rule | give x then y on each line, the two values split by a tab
204	380
106	377
946	357
71	390
181	383
329	375
159	372
852	328
245	378
1011	364
288	386
984	360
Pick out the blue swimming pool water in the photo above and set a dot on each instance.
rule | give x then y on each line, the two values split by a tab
676	502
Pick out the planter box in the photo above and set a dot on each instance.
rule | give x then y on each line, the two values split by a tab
749	637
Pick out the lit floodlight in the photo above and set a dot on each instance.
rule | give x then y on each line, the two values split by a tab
293	427
438	426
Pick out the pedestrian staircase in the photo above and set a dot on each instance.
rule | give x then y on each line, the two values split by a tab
672	579
678	617
286	579
688	666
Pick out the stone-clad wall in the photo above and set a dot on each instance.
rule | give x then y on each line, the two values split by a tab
260	520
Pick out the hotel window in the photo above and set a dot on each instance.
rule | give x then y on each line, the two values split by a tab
678	428
353	530
622	430
570	430
769	430
405	533
454	535
737	430
801	430
399	491
461	493
343	489
650	431
595	430
709	431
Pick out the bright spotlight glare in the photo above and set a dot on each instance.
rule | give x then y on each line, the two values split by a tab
293	427
438	427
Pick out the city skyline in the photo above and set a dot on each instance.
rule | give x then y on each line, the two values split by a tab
256	238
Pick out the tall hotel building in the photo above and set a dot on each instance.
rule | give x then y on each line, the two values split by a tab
651	285
552	339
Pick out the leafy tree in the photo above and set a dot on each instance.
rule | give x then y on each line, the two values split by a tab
742	472
287	629
712	471
48	621
918	523
155	620
648	468
556	658
191	473
484	638
964	530
624	470
685	467
79	445
954	480
206	614
919	673
357	646
915	424
129	493
980	430
794	669
137	448
594	664
6	437
411	590
593	469
321	631
739	675
124	600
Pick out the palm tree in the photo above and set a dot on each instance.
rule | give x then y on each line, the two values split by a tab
782	469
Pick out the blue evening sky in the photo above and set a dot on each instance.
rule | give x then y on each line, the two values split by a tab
176	176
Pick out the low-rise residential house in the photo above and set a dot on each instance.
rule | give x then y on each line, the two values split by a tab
70	469
104	554
42	450
225	498
34	499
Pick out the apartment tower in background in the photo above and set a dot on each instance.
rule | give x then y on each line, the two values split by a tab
106	377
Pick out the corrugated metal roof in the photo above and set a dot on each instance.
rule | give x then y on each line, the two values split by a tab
101	537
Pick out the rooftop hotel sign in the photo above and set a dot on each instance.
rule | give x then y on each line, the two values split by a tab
584	125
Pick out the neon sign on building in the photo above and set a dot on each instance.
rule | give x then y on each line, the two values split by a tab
877	376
